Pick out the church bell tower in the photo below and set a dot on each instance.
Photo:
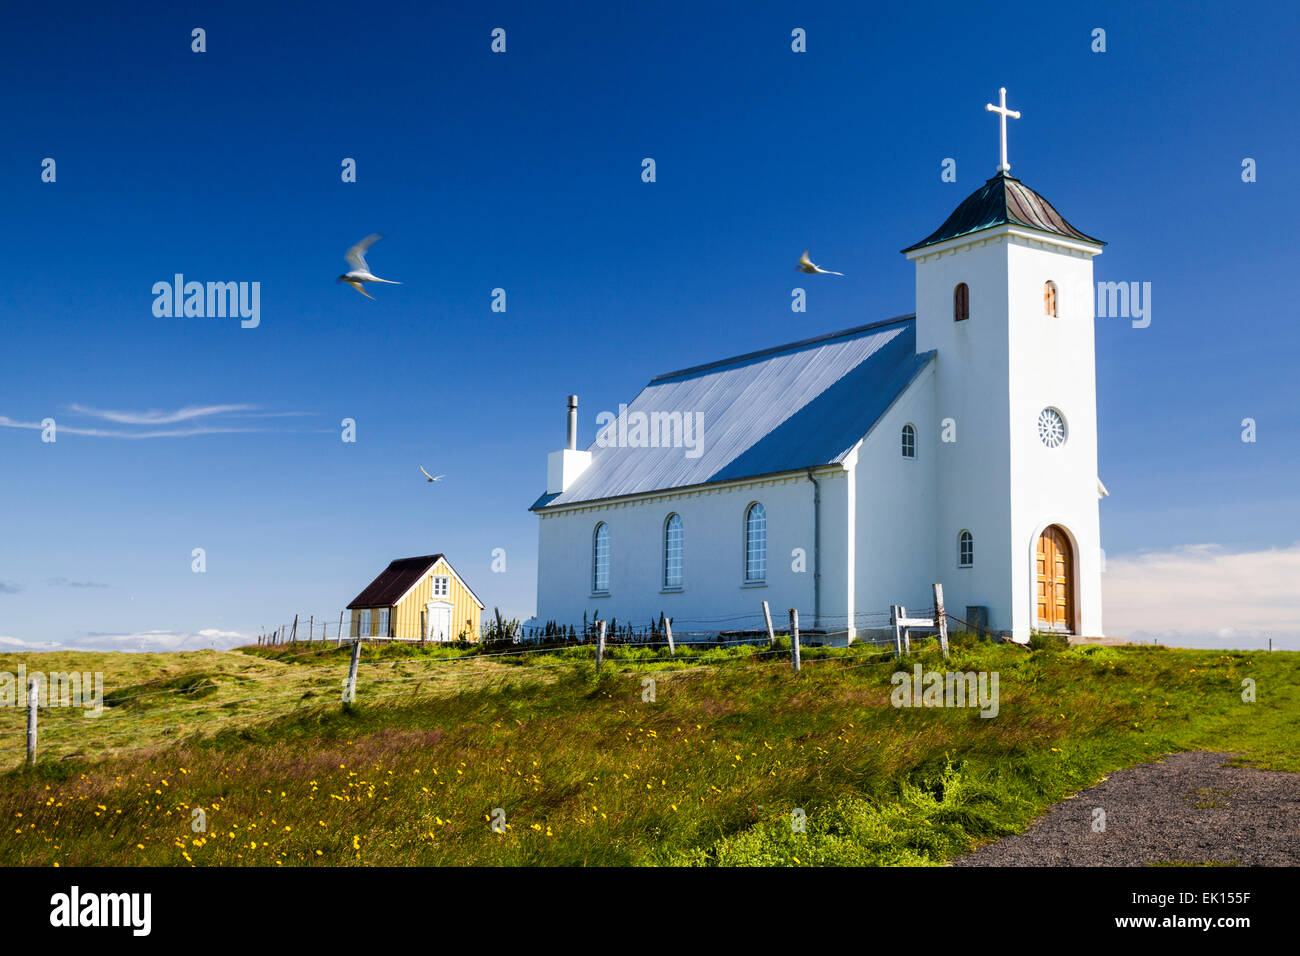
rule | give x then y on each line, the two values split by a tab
1004	295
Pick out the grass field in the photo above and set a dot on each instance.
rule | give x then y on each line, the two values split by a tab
589	772
155	698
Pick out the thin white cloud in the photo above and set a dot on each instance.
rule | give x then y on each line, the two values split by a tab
158	640
20	644
1205	594
155	417
6	422
201	419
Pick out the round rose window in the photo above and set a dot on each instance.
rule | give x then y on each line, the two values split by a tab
1051	428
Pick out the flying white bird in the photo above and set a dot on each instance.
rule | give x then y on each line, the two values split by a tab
430	477
360	272
806	265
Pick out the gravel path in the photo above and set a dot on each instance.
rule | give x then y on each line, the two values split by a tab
1188	808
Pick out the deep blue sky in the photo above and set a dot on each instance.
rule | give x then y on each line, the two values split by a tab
522	171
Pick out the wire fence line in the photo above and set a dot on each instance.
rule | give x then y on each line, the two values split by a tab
736	627
167	714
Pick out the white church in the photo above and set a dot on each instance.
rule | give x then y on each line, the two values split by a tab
846	473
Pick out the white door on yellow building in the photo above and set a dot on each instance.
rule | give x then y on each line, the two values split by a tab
439	618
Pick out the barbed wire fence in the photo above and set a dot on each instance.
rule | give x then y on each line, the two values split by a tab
721	629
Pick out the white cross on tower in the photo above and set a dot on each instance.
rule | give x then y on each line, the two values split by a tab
1001	109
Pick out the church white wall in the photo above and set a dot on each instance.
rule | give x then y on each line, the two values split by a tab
996	371
973	472
895	521
713	524
1052	365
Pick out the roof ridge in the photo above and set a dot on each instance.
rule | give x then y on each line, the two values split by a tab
772	350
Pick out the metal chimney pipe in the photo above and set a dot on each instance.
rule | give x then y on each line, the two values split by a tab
572	443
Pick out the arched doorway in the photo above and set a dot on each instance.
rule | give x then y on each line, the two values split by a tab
1055	569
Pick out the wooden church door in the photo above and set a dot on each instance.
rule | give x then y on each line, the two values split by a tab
1055	568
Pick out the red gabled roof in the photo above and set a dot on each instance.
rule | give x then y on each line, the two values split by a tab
394	581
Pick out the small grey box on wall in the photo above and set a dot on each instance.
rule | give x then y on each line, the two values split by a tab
977	616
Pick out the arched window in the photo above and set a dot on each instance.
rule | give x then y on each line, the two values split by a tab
756	543
960	302
600	558
909	441
965	550
1049	298
673	540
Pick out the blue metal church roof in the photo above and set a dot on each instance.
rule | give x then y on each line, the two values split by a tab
783	409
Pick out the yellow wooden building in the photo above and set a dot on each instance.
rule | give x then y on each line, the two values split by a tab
417	599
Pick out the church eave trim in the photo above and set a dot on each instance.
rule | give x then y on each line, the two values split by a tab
790	474
988	233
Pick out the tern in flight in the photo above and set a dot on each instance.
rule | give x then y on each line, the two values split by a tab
430	477
360	272
806	265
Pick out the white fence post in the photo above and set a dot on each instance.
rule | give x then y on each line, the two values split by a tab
33	701
350	692
794	639
668	628
600	647
894	618
767	616
941	619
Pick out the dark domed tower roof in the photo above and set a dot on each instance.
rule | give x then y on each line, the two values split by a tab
1003	200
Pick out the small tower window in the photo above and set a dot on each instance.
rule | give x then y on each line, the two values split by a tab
909	441
1049	298
961	302
965	550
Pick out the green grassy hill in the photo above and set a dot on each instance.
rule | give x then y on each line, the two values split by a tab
587	771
